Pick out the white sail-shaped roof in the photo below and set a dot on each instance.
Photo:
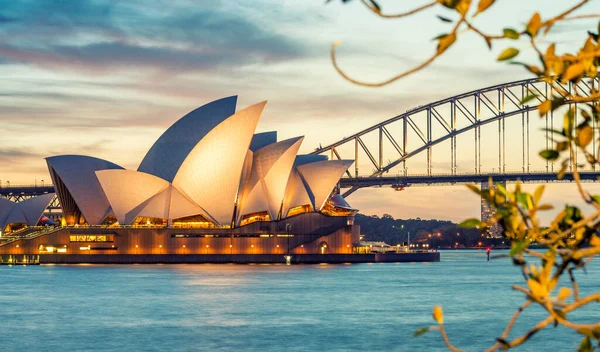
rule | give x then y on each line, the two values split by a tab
16	216
33	208
6	207
295	193
321	177
271	167
168	153
127	190
77	186
169	204
210	175
27	212
181	205
157	206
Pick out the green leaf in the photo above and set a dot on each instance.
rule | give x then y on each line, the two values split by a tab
568	122
474	188
596	199
528	98
508	54
586	345
501	189
470	223
517	247
549	154
421	331
510	33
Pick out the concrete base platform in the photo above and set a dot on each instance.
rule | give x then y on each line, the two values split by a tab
235	258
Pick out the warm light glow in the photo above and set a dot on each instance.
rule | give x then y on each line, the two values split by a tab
17	246
206	246
136	246
87	248
277	246
160	246
230	246
184	246
252	246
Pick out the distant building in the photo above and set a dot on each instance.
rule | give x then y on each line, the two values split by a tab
487	213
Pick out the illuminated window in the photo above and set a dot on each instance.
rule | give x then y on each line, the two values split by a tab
193	222
91	238
301	209
144	221
254	217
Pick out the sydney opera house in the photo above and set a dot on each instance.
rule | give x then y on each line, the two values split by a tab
208	185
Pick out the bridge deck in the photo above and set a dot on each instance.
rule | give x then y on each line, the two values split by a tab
449	179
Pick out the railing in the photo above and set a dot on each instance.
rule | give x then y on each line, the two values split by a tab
42	185
401	175
24	235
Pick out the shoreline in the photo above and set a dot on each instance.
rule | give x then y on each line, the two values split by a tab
217	258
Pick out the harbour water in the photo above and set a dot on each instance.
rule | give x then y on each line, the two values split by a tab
358	307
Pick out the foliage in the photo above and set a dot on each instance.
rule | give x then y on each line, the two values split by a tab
396	231
572	239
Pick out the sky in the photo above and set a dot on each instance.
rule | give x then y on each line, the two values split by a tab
107	78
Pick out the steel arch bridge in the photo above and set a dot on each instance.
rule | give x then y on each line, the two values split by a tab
416	131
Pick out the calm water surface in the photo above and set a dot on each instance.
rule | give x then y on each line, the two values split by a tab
359	307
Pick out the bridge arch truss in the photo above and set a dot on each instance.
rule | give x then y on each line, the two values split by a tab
416	131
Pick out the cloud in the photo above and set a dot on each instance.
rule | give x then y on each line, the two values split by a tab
104	36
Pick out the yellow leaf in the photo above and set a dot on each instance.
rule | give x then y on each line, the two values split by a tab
533	270
550	51
445	42
463	6
484	5
585	134
537	195
545	107
589	46
572	72
558	67
537	290
438	315
534	24
564	293
595	241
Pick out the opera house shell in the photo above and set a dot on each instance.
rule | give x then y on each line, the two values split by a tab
209	174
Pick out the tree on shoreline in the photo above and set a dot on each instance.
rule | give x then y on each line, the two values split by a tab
572	240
